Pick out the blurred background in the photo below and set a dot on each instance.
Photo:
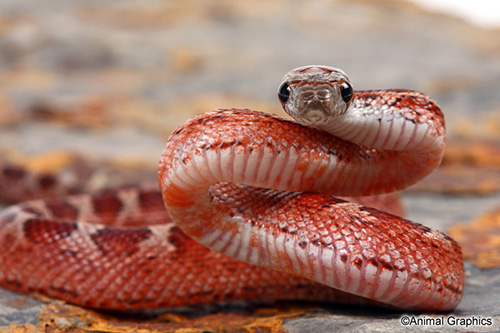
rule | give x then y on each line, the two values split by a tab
131	71
102	83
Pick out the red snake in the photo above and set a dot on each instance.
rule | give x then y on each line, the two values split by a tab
257	188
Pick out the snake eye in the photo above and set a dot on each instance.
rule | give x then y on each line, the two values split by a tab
346	92
284	92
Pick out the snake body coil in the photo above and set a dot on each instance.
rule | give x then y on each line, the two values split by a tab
257	188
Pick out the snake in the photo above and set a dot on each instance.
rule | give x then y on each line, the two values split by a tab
252	206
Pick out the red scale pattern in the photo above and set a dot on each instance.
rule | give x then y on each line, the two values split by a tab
115	268
104	251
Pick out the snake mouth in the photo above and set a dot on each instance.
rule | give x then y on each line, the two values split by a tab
314	117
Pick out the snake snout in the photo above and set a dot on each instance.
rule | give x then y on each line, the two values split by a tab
314	111
314	104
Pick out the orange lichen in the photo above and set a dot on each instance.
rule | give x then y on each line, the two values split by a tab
58	317
480	240
467	168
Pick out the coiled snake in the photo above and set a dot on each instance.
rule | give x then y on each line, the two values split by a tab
257	188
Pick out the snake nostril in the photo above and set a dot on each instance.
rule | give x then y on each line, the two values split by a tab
307	95
317	94
323	94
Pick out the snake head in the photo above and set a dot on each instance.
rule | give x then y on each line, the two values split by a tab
314	95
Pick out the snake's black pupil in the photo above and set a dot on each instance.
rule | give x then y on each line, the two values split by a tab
284	92
346	92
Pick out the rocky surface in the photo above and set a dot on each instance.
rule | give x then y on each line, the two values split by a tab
112	79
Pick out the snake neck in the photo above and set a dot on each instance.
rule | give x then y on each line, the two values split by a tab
398	120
